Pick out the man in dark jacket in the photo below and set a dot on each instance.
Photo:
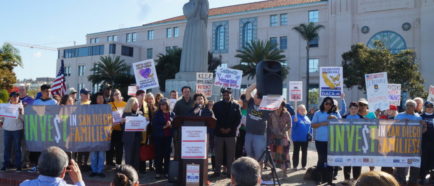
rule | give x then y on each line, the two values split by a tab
228	115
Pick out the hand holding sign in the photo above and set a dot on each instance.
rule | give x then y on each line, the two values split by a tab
135	123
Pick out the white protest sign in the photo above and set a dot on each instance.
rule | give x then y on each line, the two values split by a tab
192	174
204	83
331	82
135	123
193	143
146	75
9	110
117	116
228	78
271	102
394	94
431	94
295	91
172	103
132	90
377	89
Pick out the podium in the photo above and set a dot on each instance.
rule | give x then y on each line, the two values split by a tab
191	126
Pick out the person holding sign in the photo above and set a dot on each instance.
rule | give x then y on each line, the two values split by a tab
116	145
132	140
162	134
354	109
97	158
320	123
427	162
301	135
364	109
13	133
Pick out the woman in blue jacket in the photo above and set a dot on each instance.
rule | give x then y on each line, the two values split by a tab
162	135
301	135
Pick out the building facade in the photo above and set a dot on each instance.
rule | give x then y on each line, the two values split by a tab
400	24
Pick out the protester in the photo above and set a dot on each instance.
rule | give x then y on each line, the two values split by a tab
57	98
311	113
239	149
116	145
45	99
147	110
280	125
228	115
24	98
301	135
200	106
173	94
409	115
132	140
320	123
256	125
427	162
106	90
53	166
97	158
66	100
143	106
72	93
125	175
162	134
13	130
376	178
84	96
246	171
185	104
158	98
419	105
83	157
364	109
150	101
354	109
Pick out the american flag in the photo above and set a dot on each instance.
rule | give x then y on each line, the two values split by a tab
59	86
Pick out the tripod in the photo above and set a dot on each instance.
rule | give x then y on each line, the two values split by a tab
266	155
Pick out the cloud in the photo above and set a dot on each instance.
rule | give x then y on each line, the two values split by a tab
37	54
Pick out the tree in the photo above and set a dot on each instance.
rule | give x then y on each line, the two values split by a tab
401	68
4	96
255	52
112	71
9	59
168	65
308	32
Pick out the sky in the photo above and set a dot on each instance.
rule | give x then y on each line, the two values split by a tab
60	23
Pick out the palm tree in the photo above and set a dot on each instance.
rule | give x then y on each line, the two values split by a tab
10	56
111	71
308	32
255	52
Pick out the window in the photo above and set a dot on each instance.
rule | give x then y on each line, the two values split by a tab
131	37
283	19
313	65
134	37
313	16
80	86
283	42
175	32
149	53
82	52
169	32
96	40
112	38
314	42
127	51
112	49
96	50
81	70
273	41
68	71
150	34
247	33
274	21
220	38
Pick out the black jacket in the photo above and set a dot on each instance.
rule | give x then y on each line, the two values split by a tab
228	115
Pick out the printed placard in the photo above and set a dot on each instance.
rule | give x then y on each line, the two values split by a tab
271	102
192	174
9	110
135	123
331	82
145	74
431	94
193	143
204	83
132	90
228	78
377	89
295	91
394	94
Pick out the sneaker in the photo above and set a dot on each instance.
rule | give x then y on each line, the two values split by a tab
102	175
92	174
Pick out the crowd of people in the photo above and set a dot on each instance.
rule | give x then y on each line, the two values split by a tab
242	129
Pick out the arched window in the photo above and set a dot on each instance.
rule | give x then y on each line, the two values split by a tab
220	38
391	40
247	33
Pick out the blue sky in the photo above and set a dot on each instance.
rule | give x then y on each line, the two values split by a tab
59	23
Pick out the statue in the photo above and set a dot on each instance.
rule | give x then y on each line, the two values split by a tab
194	57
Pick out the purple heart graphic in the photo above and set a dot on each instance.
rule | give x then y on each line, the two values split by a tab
145	72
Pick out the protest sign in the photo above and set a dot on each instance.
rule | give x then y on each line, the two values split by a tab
146	75
193	143
331	82
394	94
377	89
75	128
132	90
192	174
204	83
431	94
271	102
135	123
386	143
228	78
9	110
295	91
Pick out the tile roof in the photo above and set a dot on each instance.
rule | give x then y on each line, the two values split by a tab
243	8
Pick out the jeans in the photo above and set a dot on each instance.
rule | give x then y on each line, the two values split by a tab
295	157
12	138
97	160
163	149
255	145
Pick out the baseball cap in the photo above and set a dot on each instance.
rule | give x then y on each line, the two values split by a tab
84	91
393	107
72	91
226	90
12	94
428	103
